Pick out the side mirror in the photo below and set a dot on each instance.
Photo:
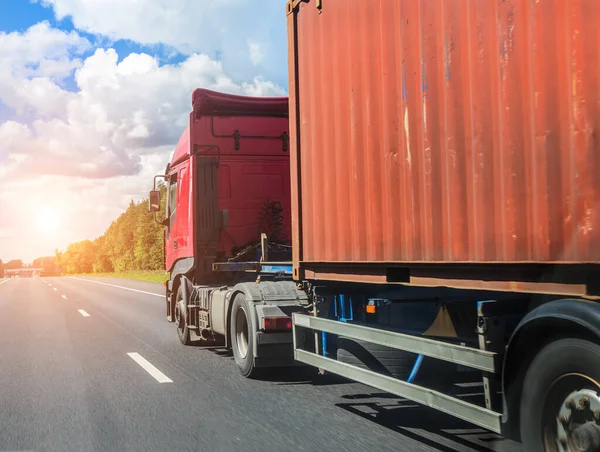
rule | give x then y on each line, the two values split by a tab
154	201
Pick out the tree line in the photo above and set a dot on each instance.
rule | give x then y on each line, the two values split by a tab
133	242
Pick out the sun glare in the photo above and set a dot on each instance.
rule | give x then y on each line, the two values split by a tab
47	220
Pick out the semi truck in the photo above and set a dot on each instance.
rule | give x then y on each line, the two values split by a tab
228	190
424	209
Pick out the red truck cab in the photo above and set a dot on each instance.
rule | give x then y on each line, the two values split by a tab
228	181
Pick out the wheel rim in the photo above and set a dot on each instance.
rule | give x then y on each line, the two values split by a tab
241	333
571	419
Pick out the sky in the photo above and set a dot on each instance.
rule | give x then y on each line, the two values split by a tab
94	95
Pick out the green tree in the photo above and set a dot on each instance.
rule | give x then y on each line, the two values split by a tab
134	241
48	265
103	262
79	257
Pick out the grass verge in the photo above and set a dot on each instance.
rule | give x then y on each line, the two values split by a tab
152	276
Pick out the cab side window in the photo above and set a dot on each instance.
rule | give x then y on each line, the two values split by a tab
172	201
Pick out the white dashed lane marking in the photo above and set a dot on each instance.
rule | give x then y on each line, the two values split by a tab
148	367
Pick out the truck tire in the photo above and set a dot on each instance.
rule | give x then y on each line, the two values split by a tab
170	308
182	329
378	358
243	336
562	375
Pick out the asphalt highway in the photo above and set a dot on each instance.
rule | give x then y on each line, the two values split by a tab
91	364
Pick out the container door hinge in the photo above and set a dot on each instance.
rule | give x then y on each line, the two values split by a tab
292	5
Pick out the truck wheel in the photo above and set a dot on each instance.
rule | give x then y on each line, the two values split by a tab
180	309
242	336
375	357
560	403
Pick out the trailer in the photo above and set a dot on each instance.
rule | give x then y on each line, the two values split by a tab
445	174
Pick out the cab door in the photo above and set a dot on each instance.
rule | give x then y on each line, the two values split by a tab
178	199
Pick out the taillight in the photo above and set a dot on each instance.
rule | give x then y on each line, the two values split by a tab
277	323
371	307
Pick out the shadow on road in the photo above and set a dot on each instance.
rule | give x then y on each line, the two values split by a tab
287	376
299	375
430	427
219	351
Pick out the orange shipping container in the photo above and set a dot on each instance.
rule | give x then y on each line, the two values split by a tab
430	132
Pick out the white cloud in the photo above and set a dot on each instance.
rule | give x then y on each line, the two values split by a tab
13	135
121	110
193	26
57	69
41	50
256	52
32	63
39	95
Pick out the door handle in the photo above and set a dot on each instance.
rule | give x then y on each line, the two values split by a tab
175	243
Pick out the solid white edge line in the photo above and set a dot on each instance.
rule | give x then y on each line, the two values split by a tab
120	287
148	367
64	296
83	313
6	280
